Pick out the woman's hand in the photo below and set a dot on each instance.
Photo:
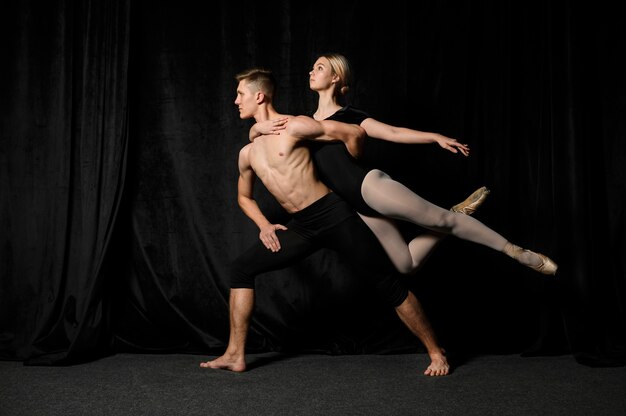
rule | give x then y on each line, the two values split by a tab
453	145
268	127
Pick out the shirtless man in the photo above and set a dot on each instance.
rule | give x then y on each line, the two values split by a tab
320	219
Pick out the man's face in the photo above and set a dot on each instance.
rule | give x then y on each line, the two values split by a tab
246	100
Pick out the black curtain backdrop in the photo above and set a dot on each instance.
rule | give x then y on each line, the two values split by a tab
119	142
64	150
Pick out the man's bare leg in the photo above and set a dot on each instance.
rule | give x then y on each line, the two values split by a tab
234	358
411	313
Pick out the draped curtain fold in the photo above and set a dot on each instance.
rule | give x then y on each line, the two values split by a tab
63	171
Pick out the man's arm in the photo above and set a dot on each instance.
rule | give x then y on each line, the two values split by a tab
249	206
306	128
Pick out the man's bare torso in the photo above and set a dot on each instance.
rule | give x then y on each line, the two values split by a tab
285	167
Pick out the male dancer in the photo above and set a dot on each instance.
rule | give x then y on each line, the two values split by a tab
320	219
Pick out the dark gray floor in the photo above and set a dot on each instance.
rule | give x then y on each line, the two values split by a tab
133	384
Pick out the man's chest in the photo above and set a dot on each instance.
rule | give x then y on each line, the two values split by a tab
271	152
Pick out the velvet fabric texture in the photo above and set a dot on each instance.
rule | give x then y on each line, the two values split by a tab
119	144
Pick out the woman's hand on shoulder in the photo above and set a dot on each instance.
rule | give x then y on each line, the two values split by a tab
268	127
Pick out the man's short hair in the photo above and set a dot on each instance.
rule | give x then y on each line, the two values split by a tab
259	78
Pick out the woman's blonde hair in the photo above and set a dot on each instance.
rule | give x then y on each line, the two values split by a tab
341	67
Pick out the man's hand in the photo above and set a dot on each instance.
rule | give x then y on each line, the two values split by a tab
268	127
269	238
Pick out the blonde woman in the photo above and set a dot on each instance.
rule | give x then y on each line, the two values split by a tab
378	195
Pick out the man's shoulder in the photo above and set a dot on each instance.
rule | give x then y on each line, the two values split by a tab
243	152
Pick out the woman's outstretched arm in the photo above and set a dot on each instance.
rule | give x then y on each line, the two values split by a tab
378	130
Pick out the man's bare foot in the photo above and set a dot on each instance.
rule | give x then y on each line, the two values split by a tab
438	366
236	364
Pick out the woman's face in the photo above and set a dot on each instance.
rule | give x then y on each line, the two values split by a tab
321	77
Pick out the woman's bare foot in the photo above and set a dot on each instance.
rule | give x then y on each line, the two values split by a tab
438	366
232	363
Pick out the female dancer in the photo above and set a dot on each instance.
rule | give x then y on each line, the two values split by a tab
375	195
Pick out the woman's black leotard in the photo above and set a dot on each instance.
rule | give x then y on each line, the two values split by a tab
338	169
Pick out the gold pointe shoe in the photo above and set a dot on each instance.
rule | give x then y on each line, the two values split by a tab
547	266
472	202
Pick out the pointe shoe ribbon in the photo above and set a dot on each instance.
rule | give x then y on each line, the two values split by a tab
472	202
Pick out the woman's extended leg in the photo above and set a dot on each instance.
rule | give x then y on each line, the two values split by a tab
409	258
405	258
394	200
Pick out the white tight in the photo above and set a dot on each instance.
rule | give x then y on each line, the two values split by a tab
394	200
